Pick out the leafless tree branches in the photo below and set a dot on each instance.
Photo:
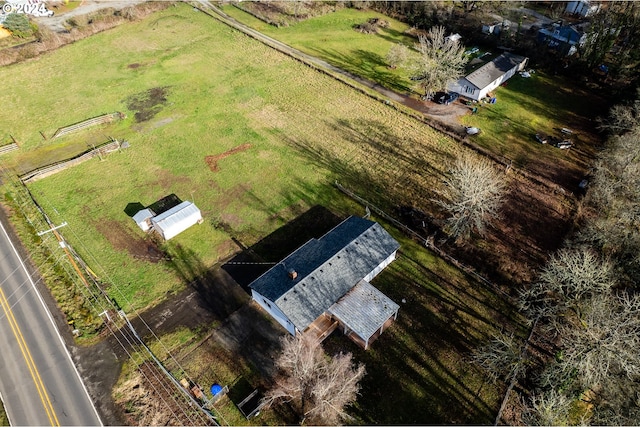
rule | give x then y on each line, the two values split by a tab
500	358
318	388
397	55
472	195
440	61
570	276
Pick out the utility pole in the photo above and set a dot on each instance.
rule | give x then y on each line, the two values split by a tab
51	229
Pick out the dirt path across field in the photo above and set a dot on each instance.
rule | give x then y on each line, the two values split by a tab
448	114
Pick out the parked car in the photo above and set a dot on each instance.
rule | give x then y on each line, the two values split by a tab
564	144
542	139
445	98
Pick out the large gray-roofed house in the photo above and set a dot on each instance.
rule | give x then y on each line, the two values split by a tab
477	84
300	291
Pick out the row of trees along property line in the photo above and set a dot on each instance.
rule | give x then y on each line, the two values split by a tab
586	302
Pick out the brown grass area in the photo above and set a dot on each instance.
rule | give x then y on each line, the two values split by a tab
147	398
212	161
121	239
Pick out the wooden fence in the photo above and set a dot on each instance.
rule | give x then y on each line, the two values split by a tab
105	118
8	148
56	167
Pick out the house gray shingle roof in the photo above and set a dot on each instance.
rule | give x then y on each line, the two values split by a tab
491	71
327	269
363	309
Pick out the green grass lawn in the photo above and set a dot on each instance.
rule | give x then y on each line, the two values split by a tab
331	37
304	130
4	421
540	104
525	106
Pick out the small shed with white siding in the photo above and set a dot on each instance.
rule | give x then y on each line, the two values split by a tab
324	283
177	219
143	219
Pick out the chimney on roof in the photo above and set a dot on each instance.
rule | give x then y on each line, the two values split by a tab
293	274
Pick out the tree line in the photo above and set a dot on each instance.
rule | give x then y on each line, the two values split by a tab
586	302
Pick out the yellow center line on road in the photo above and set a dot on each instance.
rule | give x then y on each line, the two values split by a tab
44	396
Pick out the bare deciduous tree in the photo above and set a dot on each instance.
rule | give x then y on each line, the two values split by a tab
472	195
397	55
440	61
570	277
318	387
500	358
605	341
548	409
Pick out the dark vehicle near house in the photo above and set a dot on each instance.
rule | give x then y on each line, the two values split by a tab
445	98
542	139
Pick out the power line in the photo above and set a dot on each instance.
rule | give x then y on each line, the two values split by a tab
93	300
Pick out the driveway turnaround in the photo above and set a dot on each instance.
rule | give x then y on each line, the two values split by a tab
39	383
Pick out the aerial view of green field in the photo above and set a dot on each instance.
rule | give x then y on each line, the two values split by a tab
275	149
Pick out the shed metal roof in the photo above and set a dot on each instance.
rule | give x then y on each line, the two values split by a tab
177	219
491	71
327	269
364	309
143	215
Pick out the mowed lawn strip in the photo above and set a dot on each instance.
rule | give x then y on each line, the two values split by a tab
332	37
223	90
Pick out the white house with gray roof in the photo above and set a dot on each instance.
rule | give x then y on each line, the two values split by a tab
488	77
324	284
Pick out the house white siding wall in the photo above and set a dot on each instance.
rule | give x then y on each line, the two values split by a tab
274	311
380	267
493	85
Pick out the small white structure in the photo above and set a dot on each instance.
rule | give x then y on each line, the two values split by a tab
143	219
488	77
582	8
454	37
177	219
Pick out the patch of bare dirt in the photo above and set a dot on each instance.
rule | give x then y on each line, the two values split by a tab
133	66
212	161
148	103
140	248
534	222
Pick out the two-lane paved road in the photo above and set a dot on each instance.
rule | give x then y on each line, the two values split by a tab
39	383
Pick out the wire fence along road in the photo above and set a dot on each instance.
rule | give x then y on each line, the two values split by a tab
39	383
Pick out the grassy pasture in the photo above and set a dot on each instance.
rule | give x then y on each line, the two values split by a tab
332	38
541	104
304	130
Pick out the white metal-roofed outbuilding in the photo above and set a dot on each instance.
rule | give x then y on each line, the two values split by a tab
177	219
143	219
